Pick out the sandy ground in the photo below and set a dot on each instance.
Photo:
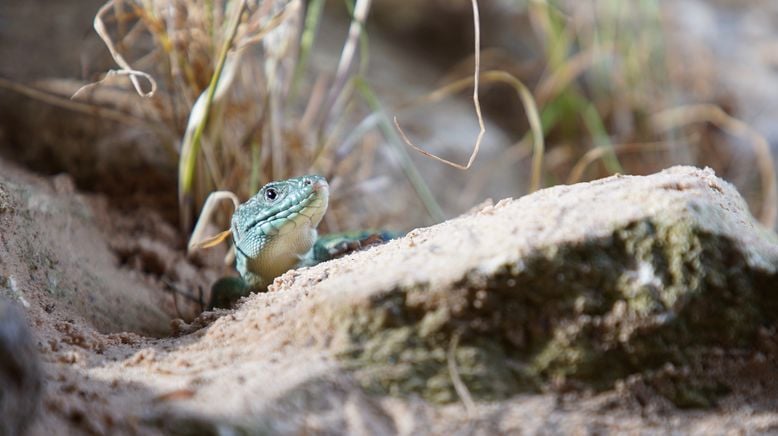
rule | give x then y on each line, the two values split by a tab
94	284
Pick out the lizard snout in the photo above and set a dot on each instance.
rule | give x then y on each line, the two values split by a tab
319	183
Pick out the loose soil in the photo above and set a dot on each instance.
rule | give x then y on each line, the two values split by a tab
261	366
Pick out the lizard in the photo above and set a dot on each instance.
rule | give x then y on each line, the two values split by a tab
275	231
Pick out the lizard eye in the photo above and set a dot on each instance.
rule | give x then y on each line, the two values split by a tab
271	194
308	182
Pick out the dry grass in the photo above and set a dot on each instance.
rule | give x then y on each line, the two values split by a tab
596	75
607	91
227	78
225	83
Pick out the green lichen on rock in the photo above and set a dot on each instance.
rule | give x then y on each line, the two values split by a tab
400	348
654	292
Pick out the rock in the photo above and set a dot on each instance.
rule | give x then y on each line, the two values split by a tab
20	373
51	138
54	255
577	285
619	299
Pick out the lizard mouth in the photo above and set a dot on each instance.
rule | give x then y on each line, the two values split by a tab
321	185
309	210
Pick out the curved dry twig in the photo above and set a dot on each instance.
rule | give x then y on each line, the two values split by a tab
530	108
126	69
456	379
197	240
576	174
106	112
577	65
476	103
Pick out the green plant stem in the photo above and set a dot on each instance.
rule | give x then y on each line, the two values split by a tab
189	157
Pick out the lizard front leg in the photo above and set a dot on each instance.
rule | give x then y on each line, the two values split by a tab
227	290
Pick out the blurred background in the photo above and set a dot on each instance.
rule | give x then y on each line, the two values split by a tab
618	87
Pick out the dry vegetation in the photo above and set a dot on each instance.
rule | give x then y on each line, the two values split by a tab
229	81
231	90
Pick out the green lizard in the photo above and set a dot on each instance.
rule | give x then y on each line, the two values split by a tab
275	231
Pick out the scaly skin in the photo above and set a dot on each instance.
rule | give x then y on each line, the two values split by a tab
275	231
272	232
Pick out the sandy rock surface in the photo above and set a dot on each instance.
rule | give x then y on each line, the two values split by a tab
56	257
624	304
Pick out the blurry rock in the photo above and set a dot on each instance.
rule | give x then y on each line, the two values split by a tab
52	242
646	284
60	50
20	372
578	285
100	153
725	52
719	64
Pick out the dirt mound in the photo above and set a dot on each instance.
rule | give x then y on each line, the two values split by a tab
610	305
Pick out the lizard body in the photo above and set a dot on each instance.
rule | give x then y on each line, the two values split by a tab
275	231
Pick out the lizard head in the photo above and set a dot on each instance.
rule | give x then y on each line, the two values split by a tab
281	207
278	224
